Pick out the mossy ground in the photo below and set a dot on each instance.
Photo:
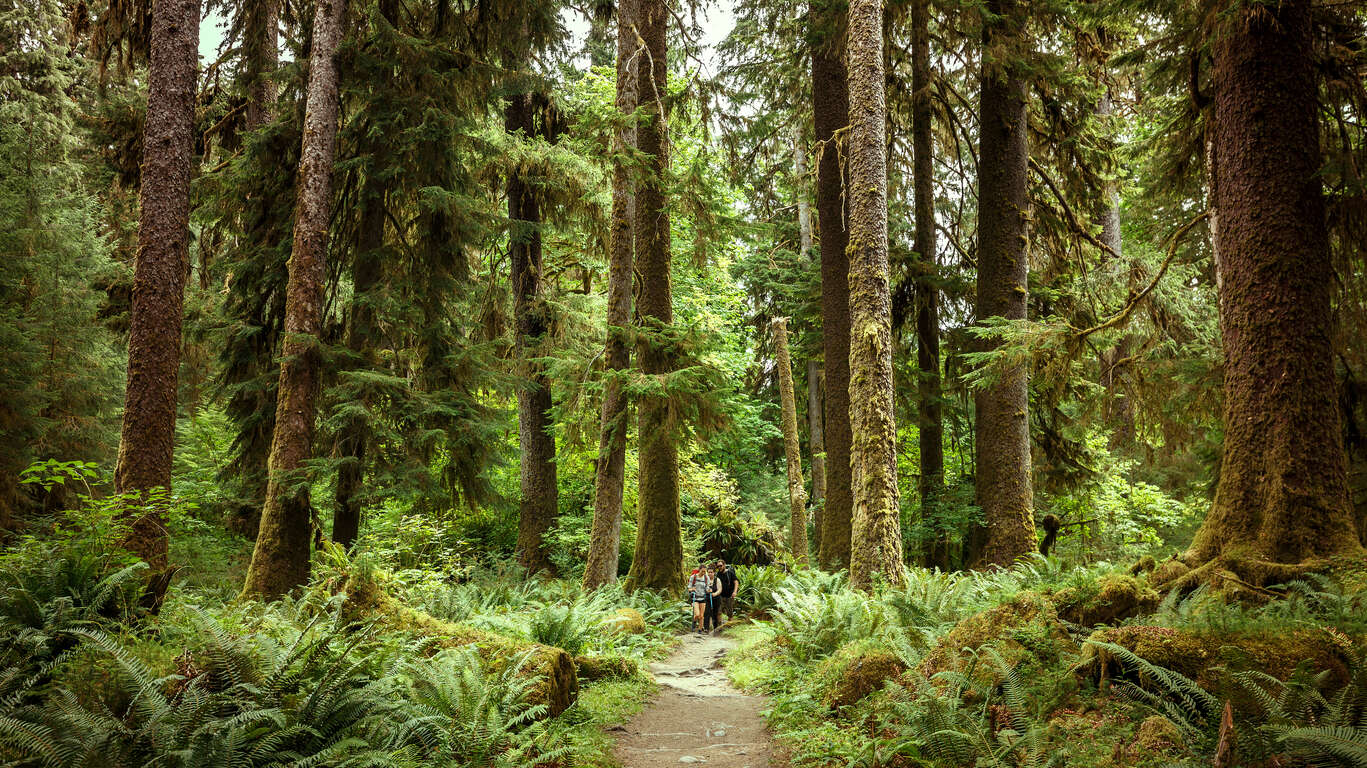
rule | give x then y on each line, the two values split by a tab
992	657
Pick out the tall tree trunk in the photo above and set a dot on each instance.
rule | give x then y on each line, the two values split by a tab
815	428
280	561
354	437
658	563
797	496
830	113
605	542
262	33
931	418
147	440
1283	496
877	529
1118	411
539	506
1002	431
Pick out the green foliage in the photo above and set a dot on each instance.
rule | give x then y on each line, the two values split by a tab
60	371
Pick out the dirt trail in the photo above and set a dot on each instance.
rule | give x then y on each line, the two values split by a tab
697	718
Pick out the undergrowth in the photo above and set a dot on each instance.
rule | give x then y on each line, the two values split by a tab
987	673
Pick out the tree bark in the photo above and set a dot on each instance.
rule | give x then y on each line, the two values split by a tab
355	436
539	506
797	496
931	418
280	561
830	113
815	427
148	436
658	563
1282	496
877	532
605	542
263	54
815	438
1002	429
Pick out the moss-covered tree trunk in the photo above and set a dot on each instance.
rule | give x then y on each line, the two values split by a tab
354	437
1282	498
815	426
610	479
1002	428
930	415
792	445
262	33
658	562
876	542
539	505
280	561
830	113
148	436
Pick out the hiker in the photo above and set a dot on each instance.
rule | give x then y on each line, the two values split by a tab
713	598
730	583
698	587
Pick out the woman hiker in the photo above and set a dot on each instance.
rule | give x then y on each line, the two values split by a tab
698	588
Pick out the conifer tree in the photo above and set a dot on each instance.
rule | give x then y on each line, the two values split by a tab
815	401
1282	500
797	496
930	419
876	548
147	442
280	561
830	112
261	28
610	478
658	562
528	115
1002	428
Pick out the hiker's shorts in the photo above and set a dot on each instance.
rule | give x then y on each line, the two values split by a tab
728	605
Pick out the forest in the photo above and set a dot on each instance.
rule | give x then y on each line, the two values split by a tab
378	378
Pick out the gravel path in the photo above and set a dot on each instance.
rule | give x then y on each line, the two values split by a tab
697	718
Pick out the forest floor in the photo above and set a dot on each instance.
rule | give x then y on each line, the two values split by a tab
698	717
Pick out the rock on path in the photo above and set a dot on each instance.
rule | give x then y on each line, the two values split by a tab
697	719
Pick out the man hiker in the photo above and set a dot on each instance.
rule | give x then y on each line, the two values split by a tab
726	575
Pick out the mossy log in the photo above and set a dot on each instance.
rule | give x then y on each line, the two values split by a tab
1211	657
368	602
605	667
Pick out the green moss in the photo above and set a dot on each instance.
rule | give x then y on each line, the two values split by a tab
1114	597
1167	572
1211	657
605	667
1026	628
368	602
626	621
1156	734
853	672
